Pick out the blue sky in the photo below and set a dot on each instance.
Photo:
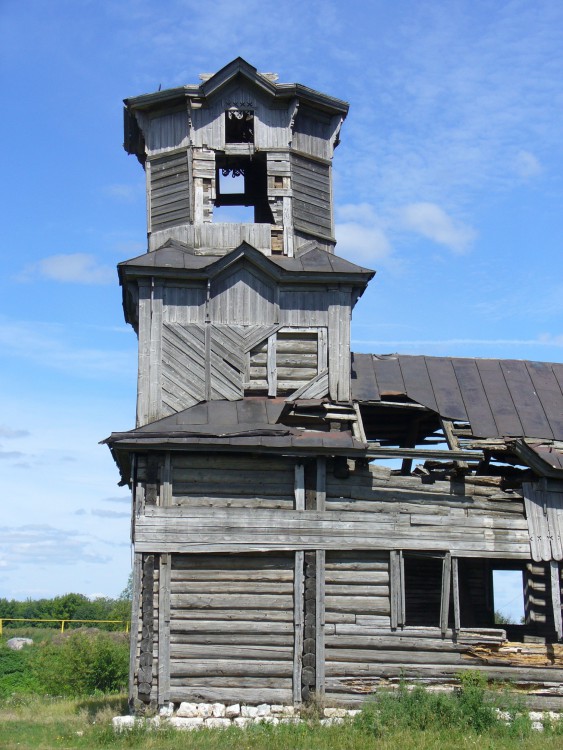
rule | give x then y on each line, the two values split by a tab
448	182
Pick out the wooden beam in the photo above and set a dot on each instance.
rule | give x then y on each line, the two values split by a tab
164	630
445	598
556	597
135	612
455	589
376	451
320	625
299	487
452	440
298	618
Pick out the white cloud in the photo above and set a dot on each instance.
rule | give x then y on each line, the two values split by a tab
110	513
123	192
527	165
360	234
43	544
9	433
433	222
50	346
81	268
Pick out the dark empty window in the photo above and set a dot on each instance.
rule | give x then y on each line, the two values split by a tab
239	126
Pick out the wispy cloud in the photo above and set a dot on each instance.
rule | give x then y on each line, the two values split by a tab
120	499
52	346
74	268
10	434
43	544
433	222
526	165
542	340
361	235
7	455
123	192
110	513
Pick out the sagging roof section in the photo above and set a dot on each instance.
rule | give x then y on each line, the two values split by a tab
499	398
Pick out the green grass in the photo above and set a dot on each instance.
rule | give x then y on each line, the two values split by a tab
78	667
44	723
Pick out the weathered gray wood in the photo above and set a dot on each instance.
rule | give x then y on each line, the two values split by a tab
455	592
144	352
272	375
275	588
320	617
228	601
445	595
198	667
298	623
249	638
225	651
299	487
556	597
135	623
395	588
164	630
264	692
184	622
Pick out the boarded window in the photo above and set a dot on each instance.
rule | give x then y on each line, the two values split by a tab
296	359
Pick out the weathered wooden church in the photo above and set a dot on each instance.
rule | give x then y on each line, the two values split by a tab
277	556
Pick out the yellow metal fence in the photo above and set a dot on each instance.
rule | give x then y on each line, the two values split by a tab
63	622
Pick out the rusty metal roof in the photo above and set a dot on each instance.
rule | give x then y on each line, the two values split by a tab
499	398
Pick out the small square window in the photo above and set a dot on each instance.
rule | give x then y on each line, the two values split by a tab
239	126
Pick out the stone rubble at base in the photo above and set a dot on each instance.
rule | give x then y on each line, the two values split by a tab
190	716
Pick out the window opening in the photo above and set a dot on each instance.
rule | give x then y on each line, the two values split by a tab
242	181
508	597
423	589
239	126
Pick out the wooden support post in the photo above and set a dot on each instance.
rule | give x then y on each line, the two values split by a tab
155	356
134	636
271	364
321	483
394	587
320	625
402	603
446	588
166	487
452	440
298	601
455	590
164	630
556	597
299	487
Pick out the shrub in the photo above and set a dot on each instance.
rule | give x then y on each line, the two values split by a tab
420	709
15	675
82	664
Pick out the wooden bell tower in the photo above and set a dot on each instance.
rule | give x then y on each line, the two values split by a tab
279	139
243	379
228	310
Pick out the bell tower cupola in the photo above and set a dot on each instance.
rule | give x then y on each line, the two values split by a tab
237	140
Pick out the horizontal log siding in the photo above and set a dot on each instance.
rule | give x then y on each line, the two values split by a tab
231	529
310	182
296	359
169	191
231	632
217	481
